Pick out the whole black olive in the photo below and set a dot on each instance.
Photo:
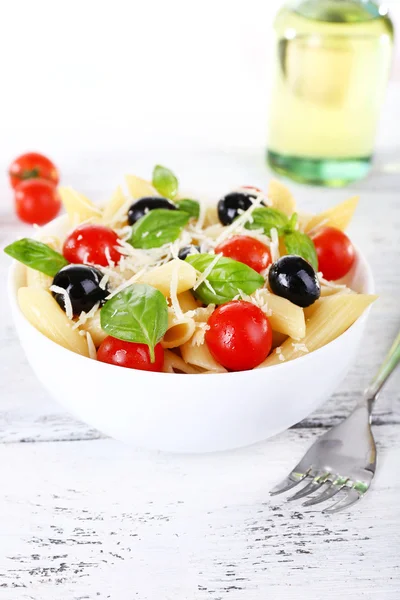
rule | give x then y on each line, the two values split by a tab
82	284
293	278
184	252
229	206
141	207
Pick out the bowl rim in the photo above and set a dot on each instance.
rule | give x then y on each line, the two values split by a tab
12	296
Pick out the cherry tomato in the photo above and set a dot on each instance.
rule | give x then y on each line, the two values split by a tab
335	253
32	166
240	335
246	250
130	355
92	244
37	201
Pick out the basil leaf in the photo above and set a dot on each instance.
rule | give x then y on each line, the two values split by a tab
165	182
267	218
228	278
192	207
300	244
291	226
160	226
139	313
36	255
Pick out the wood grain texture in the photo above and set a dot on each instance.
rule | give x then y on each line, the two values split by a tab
83	517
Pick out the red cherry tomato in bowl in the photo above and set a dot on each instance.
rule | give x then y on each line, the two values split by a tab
336	254
32	166
91	243
130	355
37	201
247	250
239	335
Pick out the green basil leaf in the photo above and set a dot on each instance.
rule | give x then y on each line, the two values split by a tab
291	226
139	313
160	226
192	207
300	244
36	255
228	278
266	218
165	182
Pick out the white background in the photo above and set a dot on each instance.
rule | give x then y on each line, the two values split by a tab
105	74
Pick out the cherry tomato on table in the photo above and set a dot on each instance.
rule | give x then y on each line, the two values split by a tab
32	166
247	250
335	252
240	335
130	355
91	243
37	201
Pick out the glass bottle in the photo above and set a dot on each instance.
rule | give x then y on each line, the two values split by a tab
332	65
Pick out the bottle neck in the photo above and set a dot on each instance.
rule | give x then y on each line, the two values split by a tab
338	11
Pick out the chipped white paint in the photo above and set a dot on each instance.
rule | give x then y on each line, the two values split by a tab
83	517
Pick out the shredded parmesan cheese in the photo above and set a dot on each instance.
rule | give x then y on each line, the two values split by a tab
279	352
67	300
274	244
91	346
238	224
85	316
300	347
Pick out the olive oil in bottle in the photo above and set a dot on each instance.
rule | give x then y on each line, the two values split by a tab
332	65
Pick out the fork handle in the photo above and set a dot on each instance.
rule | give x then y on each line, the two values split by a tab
391	361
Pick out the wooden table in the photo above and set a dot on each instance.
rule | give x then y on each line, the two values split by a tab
83	517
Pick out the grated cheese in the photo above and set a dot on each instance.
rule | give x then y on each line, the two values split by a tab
111	263
238	224
104	281
91	346
279	352
203	276
299	347
330	284
85	316
67	300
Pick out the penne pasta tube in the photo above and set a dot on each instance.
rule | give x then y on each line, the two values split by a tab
200	356
78	207
93	327
284	316
111	209
174	363
331	318
36	279
139	188
187	301
43	312
179	331
339	216
160	277
281	197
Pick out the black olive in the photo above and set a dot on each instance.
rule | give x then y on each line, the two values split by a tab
141	207
82	284
293	278
184	252
230	205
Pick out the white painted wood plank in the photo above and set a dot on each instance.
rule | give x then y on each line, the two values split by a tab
98	520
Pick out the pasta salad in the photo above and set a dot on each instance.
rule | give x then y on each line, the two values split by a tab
157	281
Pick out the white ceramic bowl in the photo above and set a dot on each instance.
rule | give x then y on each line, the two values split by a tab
188	413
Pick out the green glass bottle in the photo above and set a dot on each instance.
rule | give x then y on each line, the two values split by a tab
333	61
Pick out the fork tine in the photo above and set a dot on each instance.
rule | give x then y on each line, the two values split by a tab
351	497
288	483
330	491
311	487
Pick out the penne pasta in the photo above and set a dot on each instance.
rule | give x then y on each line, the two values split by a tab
78	207
110	212
43	312
211	217
175	364
187	301
331	318
281	197
139	188
284	316
179	331
36	279
339	216
200	356
93	327
160	277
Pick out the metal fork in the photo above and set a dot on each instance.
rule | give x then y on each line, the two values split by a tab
344	458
